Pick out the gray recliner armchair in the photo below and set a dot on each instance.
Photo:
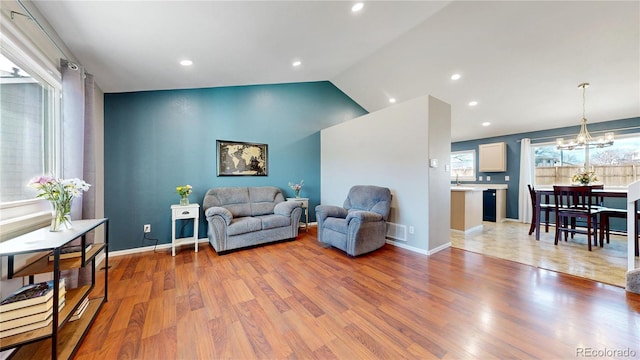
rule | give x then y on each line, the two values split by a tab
360	225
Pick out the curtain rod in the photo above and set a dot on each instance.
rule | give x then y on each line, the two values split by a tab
30	16
594	132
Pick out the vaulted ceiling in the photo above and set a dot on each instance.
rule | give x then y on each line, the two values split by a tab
521	61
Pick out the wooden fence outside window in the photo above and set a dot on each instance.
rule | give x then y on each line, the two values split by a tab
610	175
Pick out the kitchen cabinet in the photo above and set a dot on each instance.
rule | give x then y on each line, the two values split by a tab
493	157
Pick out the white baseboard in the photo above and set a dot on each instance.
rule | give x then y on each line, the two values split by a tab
468	231
407	247
440	248
100	257
418	250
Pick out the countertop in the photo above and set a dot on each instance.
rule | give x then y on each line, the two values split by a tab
467	188
483	186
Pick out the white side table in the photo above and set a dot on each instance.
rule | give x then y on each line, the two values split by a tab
180	212
305	206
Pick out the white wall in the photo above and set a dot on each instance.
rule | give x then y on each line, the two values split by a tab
440	176
390	148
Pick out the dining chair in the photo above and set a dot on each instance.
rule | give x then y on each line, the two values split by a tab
605	231
573	203
546	208
599	199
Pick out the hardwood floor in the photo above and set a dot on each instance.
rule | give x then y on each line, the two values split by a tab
302	301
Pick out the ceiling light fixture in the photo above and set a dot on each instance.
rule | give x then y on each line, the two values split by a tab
296	63
456	77
357	7
473	103
392	100
584	139
186	62
486	123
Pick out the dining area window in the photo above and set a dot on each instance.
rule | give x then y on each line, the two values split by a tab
616	165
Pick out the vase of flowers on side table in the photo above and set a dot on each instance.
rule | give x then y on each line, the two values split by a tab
60	193
184	191
296	187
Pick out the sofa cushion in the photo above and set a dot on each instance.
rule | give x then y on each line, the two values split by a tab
236	200
263	199
238	210
244	225
274	221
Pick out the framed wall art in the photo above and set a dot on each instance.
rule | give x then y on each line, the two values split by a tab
241	158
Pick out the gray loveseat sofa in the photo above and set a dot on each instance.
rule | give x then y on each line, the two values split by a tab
240	217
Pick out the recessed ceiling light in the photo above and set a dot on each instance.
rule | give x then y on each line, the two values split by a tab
473	103
456	76
392	100
296	63
486	123
186	62
357	7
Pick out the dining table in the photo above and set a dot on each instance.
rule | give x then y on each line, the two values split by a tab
545	193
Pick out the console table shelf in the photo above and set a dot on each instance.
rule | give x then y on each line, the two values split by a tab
62	338
43	265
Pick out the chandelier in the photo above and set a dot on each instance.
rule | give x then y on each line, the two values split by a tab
584	139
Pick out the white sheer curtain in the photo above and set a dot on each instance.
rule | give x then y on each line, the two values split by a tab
72	126
527	170
78	148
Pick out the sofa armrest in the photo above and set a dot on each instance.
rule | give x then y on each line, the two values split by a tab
286	207
363	216
224	213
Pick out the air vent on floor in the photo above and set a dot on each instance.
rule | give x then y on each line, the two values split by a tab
397	231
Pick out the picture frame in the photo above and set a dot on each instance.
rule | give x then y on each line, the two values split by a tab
242	158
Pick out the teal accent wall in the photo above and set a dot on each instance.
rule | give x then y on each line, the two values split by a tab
157	140
619	127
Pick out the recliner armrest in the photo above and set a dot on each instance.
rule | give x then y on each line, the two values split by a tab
325	211
363	216
224	213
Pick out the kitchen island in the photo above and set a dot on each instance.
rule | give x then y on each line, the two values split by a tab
466	208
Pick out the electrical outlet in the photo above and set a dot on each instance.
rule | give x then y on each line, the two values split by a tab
147	228
479	178
506	178
488	178
411	229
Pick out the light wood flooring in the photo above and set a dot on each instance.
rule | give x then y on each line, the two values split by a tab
298	300
510	240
